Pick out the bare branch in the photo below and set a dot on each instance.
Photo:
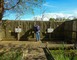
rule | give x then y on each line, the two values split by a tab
13	6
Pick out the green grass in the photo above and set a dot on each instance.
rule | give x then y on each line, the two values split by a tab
64	54
11	55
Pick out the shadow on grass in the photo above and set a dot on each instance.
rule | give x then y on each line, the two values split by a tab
48	54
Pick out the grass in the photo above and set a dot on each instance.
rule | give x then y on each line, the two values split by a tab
11	55
64	55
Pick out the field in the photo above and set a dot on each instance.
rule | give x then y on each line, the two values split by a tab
28	50
21	50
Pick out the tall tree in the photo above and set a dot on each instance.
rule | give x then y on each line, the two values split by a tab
19	6
52	19
1	8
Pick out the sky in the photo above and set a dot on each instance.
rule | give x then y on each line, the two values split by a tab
50	9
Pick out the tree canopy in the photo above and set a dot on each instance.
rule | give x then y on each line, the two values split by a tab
51	19
19	6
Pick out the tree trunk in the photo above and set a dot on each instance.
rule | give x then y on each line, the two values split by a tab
1	8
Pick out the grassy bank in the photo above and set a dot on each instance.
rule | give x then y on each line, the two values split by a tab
64	54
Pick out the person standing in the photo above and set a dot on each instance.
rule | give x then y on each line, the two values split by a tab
37	32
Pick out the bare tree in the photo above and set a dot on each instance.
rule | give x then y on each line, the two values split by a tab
1	8
43	12
19	6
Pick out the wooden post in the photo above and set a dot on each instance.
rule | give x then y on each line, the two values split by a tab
49	36
18	36
34	32
18	31
50	30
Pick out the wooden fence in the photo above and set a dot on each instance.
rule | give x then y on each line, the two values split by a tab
70	31
27	30
63	31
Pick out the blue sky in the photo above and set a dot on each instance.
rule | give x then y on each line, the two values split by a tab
61	5
50	8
